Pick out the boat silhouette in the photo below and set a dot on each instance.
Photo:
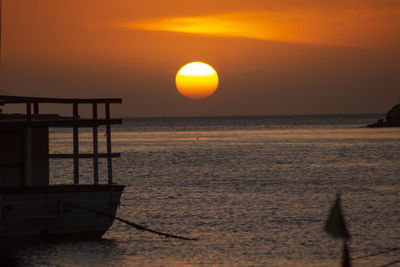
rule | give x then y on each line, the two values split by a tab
31	206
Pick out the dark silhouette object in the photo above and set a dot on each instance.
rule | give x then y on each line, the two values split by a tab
346	261
7	257
392	119
26	190
335	225
7	260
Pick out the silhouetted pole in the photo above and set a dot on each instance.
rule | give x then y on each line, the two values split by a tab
336	227
95	146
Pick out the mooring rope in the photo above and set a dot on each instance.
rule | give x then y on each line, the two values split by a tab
380	253
390	263
135	225
377	253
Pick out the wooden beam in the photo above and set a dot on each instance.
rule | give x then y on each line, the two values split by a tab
64	188
58	123
23	99
83	156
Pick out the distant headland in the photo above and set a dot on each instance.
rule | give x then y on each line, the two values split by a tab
391	119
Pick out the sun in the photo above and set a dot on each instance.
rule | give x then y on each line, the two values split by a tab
196	80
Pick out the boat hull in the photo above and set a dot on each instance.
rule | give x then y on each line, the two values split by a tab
60	210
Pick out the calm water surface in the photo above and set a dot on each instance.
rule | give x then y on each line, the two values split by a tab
255	191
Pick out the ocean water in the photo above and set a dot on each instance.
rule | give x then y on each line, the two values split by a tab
255	191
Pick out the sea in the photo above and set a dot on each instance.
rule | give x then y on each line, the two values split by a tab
253	191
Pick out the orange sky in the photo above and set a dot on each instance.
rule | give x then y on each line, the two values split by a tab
272	57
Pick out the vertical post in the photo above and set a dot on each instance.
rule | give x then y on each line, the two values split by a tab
36	108
108	132
28	152
28	156
95	147
28	111
22	161
76	145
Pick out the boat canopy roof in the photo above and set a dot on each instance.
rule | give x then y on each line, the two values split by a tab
23	99
33	118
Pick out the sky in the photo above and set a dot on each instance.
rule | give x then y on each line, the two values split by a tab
272	57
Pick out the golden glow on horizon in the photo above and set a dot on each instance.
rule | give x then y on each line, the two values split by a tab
239	24
196	80
348	27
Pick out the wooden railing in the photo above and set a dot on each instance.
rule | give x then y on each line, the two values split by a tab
34	119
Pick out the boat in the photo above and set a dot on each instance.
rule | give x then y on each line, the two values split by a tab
31	204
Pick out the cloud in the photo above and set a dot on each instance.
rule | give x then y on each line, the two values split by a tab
366	27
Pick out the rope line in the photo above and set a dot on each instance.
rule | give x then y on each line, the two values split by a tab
380	253
134	225
390	263
376	254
